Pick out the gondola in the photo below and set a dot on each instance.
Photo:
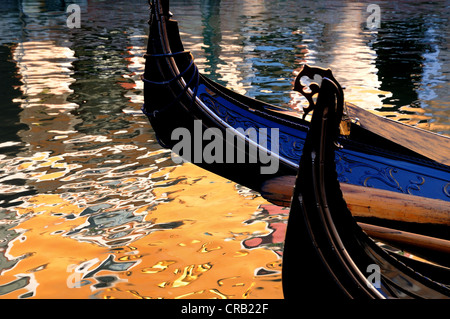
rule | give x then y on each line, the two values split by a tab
374	153
326	253
251	142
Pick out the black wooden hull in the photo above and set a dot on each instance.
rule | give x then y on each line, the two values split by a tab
185	109
342	261
178	96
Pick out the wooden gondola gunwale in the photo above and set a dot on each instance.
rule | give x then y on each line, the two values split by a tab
206	113
199	101
267	109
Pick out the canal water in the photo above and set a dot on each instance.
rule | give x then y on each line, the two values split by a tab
92	207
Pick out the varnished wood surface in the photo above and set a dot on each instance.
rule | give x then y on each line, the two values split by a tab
370	202
406	238
426	143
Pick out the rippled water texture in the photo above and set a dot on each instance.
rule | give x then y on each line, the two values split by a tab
93	207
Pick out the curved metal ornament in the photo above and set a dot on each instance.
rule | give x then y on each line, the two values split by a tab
310	72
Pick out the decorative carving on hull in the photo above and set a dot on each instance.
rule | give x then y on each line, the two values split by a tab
290	146
351	169
446	190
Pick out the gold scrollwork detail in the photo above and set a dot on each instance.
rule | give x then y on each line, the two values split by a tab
446	189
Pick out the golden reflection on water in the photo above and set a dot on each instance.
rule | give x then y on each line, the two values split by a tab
103	214
171	250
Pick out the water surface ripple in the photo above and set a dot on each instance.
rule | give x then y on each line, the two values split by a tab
92	207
